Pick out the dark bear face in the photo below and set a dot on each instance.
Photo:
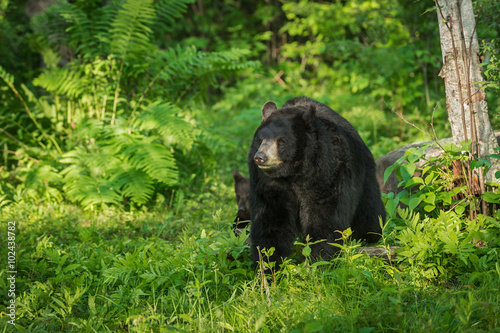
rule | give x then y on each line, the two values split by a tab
280	139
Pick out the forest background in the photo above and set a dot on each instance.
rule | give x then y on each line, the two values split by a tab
120	125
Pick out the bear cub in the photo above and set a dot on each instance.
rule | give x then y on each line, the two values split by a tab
242	191
310	174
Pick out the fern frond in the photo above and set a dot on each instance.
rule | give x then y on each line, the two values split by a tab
190	65
84	178
170	10
133	183
94	164
215	141
88	129
80	26
179	62
130	33
154	159
224	62
41	176
62	81
101	25
90	191
163	118
232	59
40	180
6	77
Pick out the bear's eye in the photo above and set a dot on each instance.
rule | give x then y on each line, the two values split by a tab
281	142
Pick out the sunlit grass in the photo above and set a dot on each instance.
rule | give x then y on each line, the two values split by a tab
151	271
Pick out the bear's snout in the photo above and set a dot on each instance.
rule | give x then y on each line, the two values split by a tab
260	158
267	157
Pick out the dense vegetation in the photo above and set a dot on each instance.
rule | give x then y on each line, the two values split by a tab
120	123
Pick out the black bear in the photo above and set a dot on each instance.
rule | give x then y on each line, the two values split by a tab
310	174
242	191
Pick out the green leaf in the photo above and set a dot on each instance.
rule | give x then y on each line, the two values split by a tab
430	178
491	197
429	208
70	267
391	206
388	172
414	181
314	326
407	170
415	201
430	9
430	198
459	209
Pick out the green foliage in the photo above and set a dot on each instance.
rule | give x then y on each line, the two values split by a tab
143	271
448	246
379	53
114	118
488	31
435	229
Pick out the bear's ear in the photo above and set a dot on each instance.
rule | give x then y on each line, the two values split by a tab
309	114
237	176
268	108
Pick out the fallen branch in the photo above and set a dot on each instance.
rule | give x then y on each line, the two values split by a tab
380	252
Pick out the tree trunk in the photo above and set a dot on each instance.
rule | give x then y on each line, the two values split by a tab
461	72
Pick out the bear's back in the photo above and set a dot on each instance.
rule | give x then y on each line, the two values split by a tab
326	113
322	111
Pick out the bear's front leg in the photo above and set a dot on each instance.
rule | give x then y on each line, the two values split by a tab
274	225
323	223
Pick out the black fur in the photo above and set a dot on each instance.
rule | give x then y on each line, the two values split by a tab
325	182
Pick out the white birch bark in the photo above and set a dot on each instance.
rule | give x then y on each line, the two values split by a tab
463	94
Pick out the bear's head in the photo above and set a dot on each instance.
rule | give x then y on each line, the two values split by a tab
280	139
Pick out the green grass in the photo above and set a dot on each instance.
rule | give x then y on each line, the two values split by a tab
162	271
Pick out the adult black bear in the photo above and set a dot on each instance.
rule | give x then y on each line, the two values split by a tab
310	174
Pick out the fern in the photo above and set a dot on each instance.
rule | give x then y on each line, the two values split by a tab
130	33
154	159
230	60
86	178
119	144
80	26
180	63
190	66
90	191
121	162
6	77
162	118
94	164
39	180
170	10
133	183
62	81
222	63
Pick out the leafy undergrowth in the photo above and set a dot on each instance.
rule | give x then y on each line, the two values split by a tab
79	271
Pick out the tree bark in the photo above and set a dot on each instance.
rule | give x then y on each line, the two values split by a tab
465	100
